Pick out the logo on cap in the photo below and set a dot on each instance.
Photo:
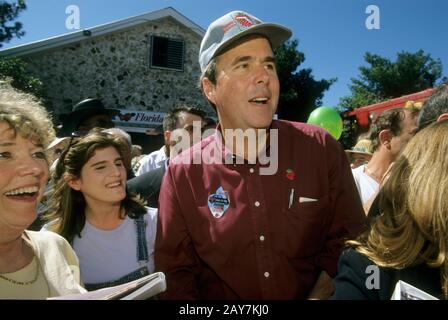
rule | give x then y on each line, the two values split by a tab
244	20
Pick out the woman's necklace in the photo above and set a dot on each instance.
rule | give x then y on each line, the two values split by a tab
23	283
36	276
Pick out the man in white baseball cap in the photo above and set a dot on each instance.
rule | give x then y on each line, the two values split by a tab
232	230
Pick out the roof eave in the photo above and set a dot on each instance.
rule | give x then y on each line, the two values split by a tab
89	33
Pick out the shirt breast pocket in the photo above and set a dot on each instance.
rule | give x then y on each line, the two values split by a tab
307	223
309	208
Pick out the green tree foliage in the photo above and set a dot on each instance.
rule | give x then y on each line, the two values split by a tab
300	93
383	79
15	70
8	13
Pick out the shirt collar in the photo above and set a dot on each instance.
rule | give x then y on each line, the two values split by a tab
233	159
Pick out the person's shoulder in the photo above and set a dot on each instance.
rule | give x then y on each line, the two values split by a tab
151	157
350	280
45	235
359	277
303	129
156	152
149	162
146	177
315	139
361	265
47	238
298	126
353	257
147	158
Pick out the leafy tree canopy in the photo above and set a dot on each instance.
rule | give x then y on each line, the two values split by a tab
9	11
300	93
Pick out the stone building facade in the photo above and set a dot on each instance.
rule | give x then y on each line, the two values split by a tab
115	66
115	63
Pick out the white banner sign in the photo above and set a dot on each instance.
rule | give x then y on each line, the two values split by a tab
139	121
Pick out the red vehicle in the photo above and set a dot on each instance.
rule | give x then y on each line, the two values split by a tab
365	115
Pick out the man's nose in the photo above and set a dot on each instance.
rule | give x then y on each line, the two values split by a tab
262	75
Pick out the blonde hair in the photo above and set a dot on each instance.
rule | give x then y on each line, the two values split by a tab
25	115
413	226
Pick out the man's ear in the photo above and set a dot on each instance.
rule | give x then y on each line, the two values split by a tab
443	116
167	137
72	181
209	90
385	137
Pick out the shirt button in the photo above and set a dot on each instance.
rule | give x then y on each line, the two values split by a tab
251	170
257	204
266	274
261	238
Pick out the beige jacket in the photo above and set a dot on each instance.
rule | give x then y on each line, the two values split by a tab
59	262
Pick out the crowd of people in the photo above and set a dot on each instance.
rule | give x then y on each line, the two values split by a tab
87	210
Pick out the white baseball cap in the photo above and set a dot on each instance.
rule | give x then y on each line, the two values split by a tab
234	25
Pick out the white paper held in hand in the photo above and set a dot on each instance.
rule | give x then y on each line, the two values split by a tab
140	289
405	291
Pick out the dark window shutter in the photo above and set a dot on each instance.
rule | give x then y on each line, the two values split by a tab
167	53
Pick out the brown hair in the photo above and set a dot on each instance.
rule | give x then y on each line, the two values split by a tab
392	120
66	206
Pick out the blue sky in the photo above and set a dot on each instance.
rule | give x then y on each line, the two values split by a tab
331	33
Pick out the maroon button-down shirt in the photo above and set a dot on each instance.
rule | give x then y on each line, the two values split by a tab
278	232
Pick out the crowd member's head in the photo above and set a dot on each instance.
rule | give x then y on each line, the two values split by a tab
25	132
178	123
392	130
435	107
239	76
86	115
91	171
56	147
413	226
360	154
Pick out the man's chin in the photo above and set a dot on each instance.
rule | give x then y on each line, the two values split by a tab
262	125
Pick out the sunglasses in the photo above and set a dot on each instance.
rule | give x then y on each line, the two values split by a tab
74	137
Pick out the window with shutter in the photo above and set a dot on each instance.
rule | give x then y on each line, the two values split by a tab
167	53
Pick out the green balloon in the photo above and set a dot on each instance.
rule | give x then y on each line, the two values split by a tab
327	118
